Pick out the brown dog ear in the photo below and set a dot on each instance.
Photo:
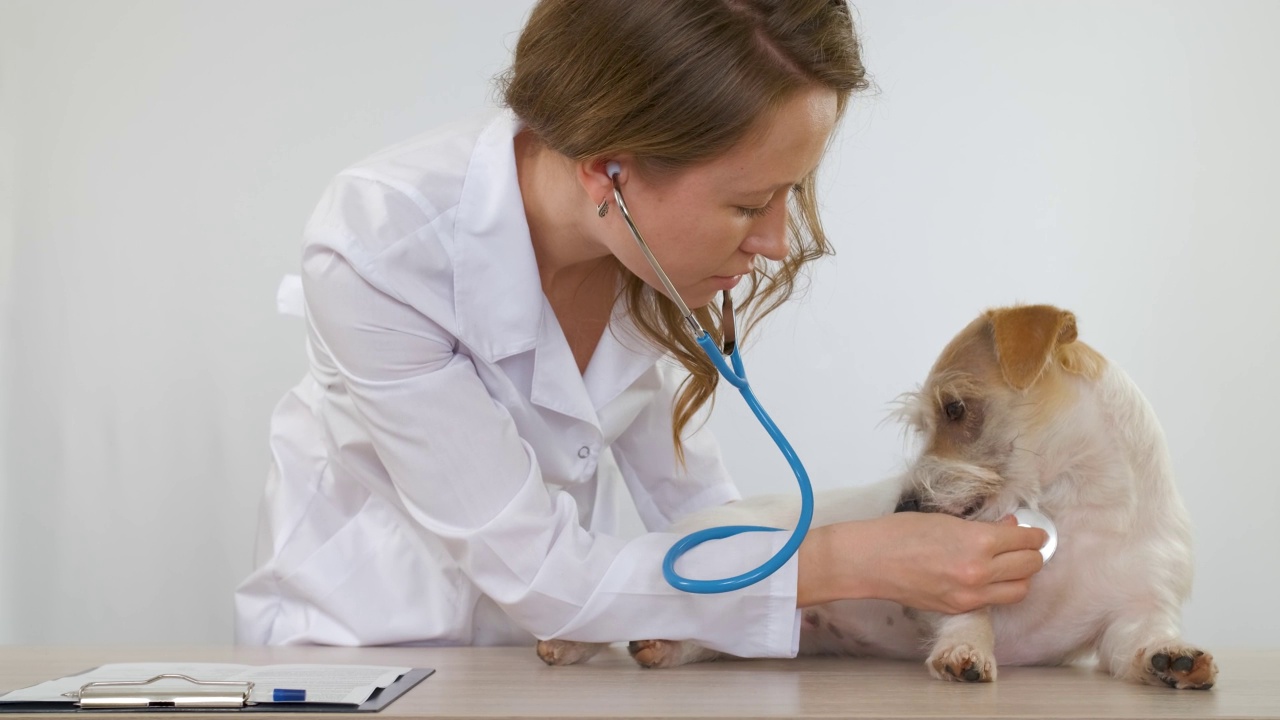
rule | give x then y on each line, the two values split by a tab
1026	338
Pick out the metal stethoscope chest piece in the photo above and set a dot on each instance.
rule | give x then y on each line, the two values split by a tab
1028	517
728	361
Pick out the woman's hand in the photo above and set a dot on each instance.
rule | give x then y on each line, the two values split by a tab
926	561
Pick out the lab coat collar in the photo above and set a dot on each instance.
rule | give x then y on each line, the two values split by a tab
500	308
497	293
622	356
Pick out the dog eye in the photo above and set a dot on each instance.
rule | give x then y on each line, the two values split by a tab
955	409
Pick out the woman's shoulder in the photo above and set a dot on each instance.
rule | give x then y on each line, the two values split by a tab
414	188
430	168
400	216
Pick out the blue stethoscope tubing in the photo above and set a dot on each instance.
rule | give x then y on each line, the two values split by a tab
737	377
731	370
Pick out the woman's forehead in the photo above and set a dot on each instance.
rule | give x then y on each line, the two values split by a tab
785	147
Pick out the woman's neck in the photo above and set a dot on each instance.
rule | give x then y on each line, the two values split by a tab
558	213
579	275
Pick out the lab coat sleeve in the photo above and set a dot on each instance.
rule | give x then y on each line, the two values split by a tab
449	454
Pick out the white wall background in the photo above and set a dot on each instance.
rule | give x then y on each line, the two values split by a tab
158	160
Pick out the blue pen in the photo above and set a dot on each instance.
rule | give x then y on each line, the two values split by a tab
287	695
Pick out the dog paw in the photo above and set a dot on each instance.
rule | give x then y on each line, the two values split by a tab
1177	666
566	652
962	663
656	653
668	653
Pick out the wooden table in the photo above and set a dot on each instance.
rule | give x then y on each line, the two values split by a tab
513	683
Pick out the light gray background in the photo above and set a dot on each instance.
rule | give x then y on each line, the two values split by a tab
158	160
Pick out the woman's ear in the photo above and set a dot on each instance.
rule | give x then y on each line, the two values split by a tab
1026	338
593	175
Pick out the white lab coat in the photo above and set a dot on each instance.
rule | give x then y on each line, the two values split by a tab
434	476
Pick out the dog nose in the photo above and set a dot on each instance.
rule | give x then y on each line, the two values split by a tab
908	503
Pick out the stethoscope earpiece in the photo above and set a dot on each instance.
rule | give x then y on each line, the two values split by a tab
612	168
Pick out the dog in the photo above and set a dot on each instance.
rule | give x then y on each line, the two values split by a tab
1015	412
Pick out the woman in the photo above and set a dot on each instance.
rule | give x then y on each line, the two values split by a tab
484	332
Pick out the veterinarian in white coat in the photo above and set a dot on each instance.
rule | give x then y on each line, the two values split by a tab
434	476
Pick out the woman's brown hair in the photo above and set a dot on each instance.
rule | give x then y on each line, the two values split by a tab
675	83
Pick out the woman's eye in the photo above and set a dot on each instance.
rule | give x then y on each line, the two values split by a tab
755	212
762	210
955	410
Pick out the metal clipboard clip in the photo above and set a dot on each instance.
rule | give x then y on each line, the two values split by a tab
134	694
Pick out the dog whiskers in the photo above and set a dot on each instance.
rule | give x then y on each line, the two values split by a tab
1027	450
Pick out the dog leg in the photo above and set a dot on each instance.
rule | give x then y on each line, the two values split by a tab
567	652
669	653
965	648
1150	650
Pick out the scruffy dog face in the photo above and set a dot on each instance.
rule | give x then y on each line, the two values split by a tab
998	392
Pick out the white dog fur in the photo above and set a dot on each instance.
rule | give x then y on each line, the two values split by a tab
1016	412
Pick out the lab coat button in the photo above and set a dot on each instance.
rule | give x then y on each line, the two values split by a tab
584	451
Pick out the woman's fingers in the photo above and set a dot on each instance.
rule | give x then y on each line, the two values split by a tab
1007	593
1009	537
1016	565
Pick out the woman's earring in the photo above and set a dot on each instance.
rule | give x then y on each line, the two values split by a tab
603	208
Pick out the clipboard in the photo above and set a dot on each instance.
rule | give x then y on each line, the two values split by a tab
202	696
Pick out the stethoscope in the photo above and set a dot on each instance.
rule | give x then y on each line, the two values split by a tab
1026	517
738	378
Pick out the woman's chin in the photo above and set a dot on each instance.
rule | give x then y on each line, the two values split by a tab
706	292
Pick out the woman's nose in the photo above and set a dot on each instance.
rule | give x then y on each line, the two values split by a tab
769	237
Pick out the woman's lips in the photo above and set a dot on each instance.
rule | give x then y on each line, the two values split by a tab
725	282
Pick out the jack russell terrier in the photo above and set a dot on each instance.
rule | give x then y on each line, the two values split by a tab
1016	412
